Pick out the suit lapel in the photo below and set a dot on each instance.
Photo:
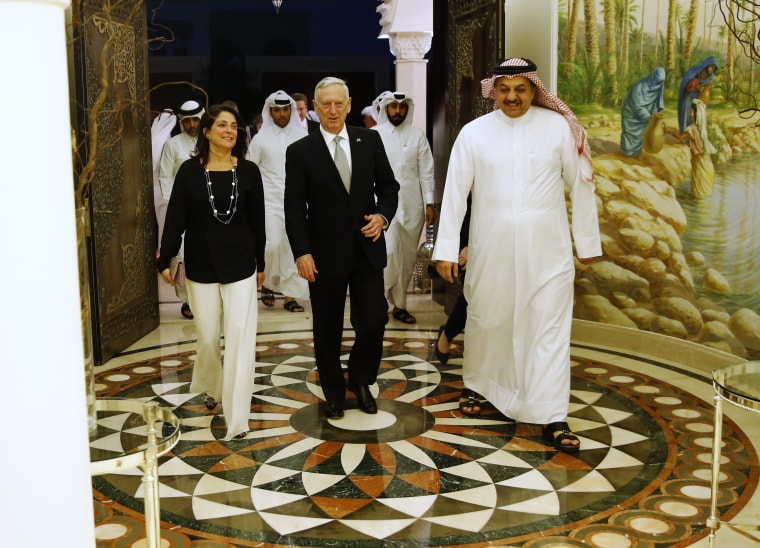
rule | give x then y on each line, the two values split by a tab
357	152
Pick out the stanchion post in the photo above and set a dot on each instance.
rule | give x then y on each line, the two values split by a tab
713	522
150	480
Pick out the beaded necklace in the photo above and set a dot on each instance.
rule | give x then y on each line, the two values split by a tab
233	198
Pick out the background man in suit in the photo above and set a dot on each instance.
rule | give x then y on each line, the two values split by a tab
336	208
302	107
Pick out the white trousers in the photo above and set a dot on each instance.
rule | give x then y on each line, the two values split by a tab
230	382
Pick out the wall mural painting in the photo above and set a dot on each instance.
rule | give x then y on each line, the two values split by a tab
667	92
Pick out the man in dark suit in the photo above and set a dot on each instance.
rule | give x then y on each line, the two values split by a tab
302	107
336	209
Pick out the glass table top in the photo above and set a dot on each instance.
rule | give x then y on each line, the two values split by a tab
739	384
121	439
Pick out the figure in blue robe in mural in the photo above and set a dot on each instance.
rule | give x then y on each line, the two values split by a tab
695	84
644	99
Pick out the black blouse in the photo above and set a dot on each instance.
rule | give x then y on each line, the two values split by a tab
215	252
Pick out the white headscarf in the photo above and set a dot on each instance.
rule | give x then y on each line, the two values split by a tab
518	66
370	110
280	99
376	103
389	97
190	109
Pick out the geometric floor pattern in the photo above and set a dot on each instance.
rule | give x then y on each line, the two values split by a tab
418	473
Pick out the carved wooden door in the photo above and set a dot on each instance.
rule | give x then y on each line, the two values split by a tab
113	129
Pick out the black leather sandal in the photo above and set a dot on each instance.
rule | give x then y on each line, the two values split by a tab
557	432
470	400
292	306
267	297
210	402
402	315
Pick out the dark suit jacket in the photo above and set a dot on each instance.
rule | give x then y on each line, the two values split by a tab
320	216
312	126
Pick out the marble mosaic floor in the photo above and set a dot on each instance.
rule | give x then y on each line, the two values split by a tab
419	473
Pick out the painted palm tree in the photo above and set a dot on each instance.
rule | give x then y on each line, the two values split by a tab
670	37
753	32
591	39
641	38
731	40
656	30
691	30
572	36
610	48
625	20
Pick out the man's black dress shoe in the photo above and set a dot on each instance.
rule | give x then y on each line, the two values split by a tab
364	398
334	410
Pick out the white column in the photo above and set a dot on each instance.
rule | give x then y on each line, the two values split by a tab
408	24
411	70
46	498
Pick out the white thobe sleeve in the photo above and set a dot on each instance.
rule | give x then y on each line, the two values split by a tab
254	149
425	168
166	170
459	180
585	219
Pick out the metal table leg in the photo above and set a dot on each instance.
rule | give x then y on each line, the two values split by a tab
713	522
150	480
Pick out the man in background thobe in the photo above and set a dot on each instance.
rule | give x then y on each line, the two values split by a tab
412	162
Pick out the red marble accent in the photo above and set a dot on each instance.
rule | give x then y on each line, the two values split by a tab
429	481
384	456
393	391
211	448
338	508
372	485
233	462
321	453
298	396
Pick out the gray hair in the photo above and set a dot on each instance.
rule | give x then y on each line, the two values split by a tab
330	81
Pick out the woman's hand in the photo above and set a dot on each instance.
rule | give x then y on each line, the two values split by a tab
463	258
260	279
167	276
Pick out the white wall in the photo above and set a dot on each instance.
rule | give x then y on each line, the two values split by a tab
531	30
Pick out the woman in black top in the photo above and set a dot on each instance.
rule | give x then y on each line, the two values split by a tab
218	203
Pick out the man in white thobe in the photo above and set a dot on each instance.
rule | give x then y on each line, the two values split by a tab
412	162
517	162
176	150
160	132
280	127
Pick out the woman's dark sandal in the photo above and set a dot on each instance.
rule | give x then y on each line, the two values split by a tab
267	297
292	306
210	402
443	357
469	404
558	432
186	312
241	436
402	315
